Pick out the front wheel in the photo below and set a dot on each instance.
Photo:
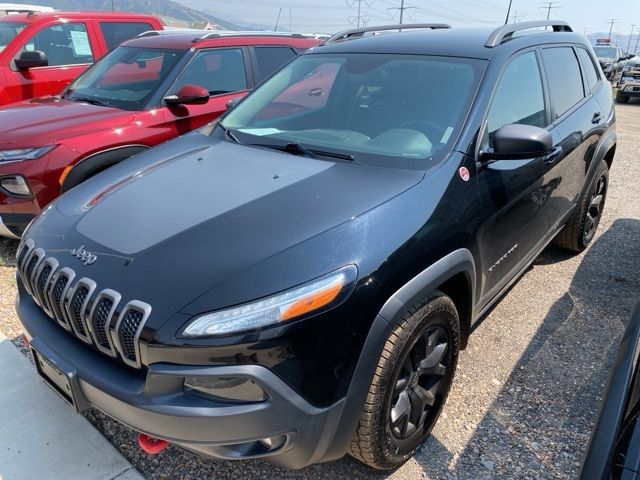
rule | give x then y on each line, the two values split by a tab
410	385
582	226
621	98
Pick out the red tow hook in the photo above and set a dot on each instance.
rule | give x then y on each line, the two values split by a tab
150	445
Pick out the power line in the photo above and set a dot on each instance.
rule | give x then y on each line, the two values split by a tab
611	22
401	9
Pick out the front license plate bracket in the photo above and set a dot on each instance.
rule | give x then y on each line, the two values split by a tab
58	375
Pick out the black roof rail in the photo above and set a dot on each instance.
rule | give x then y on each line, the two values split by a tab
505	32
360	32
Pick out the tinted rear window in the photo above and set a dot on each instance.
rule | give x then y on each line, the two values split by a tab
117	32
564	77
589	68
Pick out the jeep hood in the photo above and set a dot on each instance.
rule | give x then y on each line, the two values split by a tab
174	222
44	121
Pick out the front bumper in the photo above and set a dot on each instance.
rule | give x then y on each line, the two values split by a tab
629	87
154	402
12	225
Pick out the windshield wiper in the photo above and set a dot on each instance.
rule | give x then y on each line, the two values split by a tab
92	101
297	148
228	133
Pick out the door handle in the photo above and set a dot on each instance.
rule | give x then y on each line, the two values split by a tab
553	155
597	117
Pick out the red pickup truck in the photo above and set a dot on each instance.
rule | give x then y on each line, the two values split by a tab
41	53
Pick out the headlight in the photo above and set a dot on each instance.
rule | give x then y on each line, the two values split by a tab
24	153
312	297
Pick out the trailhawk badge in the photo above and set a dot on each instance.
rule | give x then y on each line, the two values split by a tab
86	257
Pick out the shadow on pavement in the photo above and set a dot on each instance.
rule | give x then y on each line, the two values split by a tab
553	393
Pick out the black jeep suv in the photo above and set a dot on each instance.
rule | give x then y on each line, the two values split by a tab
296	281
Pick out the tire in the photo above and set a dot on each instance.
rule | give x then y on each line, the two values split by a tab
581	227
398	385
621	98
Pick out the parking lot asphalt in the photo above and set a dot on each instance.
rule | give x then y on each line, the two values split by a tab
529	385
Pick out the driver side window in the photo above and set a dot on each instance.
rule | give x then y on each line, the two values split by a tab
519	97
66	44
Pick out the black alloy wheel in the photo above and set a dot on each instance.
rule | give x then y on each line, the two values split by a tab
418	384
594	211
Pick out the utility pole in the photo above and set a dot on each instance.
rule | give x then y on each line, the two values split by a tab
611	22
277	21
401	9
290	22
113	5
633	26
506	20
360	19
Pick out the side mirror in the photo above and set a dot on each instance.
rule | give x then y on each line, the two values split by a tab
188	95
34	59
231	104
519	142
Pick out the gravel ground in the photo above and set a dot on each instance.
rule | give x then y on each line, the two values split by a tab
527	388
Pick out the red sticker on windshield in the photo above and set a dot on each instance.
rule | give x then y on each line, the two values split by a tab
464	173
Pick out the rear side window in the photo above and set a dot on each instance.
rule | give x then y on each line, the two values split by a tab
65	44
593	77
115	33
564	77
510	104
271	59
219	70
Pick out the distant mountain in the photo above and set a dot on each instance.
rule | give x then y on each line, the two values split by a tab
236	15
162	8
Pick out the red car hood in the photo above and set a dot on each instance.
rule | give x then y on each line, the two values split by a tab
43	121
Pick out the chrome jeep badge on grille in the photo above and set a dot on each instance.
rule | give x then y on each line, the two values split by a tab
87	257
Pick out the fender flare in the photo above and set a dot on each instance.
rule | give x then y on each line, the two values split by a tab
98	161
458	261
608	141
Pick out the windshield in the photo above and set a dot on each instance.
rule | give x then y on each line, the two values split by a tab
373	107
9	31
605	52
125	78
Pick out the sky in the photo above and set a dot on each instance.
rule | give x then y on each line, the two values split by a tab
332	15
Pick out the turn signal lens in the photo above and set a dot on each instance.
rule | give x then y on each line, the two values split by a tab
313	302
310	298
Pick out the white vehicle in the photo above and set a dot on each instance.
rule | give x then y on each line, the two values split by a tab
11	8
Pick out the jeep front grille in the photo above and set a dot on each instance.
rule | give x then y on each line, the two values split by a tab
97	321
